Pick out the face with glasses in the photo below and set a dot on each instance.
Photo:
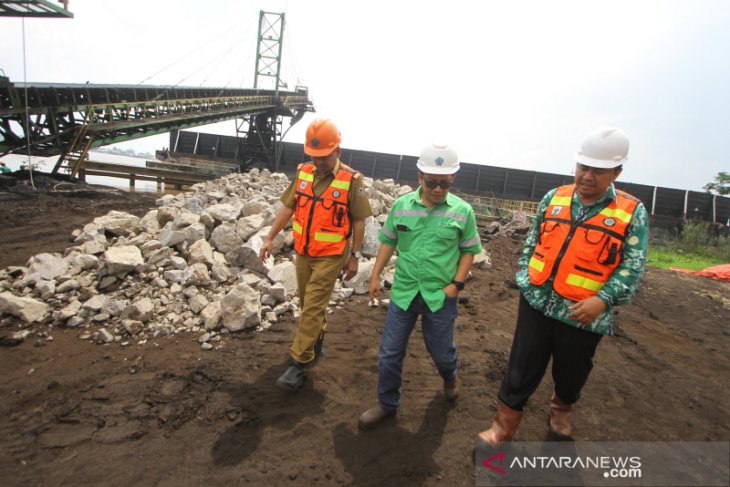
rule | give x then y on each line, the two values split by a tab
435	187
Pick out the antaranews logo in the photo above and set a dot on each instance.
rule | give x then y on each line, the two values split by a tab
649	464
524	465
613	467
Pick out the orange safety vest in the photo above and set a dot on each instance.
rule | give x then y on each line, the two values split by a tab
322	223
580	255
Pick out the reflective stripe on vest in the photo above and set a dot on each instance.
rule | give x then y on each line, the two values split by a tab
321	223
580	256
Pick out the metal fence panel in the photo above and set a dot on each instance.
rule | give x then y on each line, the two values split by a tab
186	142
228	147
291	156
408	173
722	210
669	202
467	178
545	182
518	184
699	206
385	166
641	191
491	180
359	160
207	144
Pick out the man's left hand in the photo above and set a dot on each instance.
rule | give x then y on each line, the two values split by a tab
451	291
584	312
350	267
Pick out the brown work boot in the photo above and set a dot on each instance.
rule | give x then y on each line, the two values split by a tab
503	427
451	389
374	416
559	419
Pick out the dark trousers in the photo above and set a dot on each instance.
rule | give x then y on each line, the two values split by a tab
537	338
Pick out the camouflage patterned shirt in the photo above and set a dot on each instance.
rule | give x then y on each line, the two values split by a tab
622	284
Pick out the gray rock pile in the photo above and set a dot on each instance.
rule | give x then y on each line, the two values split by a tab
191	265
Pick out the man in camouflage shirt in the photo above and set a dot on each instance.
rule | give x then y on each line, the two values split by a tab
585	254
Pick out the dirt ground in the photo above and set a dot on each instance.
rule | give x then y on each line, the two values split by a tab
167	413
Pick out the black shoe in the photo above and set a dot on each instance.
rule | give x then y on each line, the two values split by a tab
292	378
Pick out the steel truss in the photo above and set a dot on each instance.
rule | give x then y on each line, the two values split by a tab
64	119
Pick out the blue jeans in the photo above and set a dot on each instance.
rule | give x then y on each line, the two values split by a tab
438	333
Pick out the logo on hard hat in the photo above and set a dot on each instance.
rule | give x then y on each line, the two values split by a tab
439	160
314	142
609	222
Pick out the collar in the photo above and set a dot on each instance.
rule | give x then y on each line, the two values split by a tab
610	194
333	173
416	198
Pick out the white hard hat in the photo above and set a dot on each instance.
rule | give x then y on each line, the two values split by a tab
604	147
438	159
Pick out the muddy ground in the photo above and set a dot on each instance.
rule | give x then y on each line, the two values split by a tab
167	413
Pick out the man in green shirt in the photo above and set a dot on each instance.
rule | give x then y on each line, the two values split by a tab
436	236
4	169
585	254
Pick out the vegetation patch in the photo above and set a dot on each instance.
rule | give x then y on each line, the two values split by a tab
700	245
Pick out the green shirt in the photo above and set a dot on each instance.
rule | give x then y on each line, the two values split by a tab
5	170
621	285
430	243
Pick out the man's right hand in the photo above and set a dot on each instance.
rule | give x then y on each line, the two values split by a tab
266	248
374	289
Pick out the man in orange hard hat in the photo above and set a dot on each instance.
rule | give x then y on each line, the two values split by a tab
328	202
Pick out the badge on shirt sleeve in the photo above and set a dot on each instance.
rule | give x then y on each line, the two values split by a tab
556	210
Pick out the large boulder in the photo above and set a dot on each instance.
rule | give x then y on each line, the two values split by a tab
117	223
27	309
241	308
123	259
47	266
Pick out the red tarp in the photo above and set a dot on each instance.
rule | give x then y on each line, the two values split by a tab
719	272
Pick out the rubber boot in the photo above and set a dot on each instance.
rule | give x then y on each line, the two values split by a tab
559	419
503	427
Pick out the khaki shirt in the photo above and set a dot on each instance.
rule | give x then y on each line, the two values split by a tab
357	199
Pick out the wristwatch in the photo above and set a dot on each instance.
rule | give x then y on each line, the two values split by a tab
357	254
459	285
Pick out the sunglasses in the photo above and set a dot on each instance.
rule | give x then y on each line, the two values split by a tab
432	183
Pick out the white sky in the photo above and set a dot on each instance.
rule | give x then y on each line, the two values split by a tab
514	84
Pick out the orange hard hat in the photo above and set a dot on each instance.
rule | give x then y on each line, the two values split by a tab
323	138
